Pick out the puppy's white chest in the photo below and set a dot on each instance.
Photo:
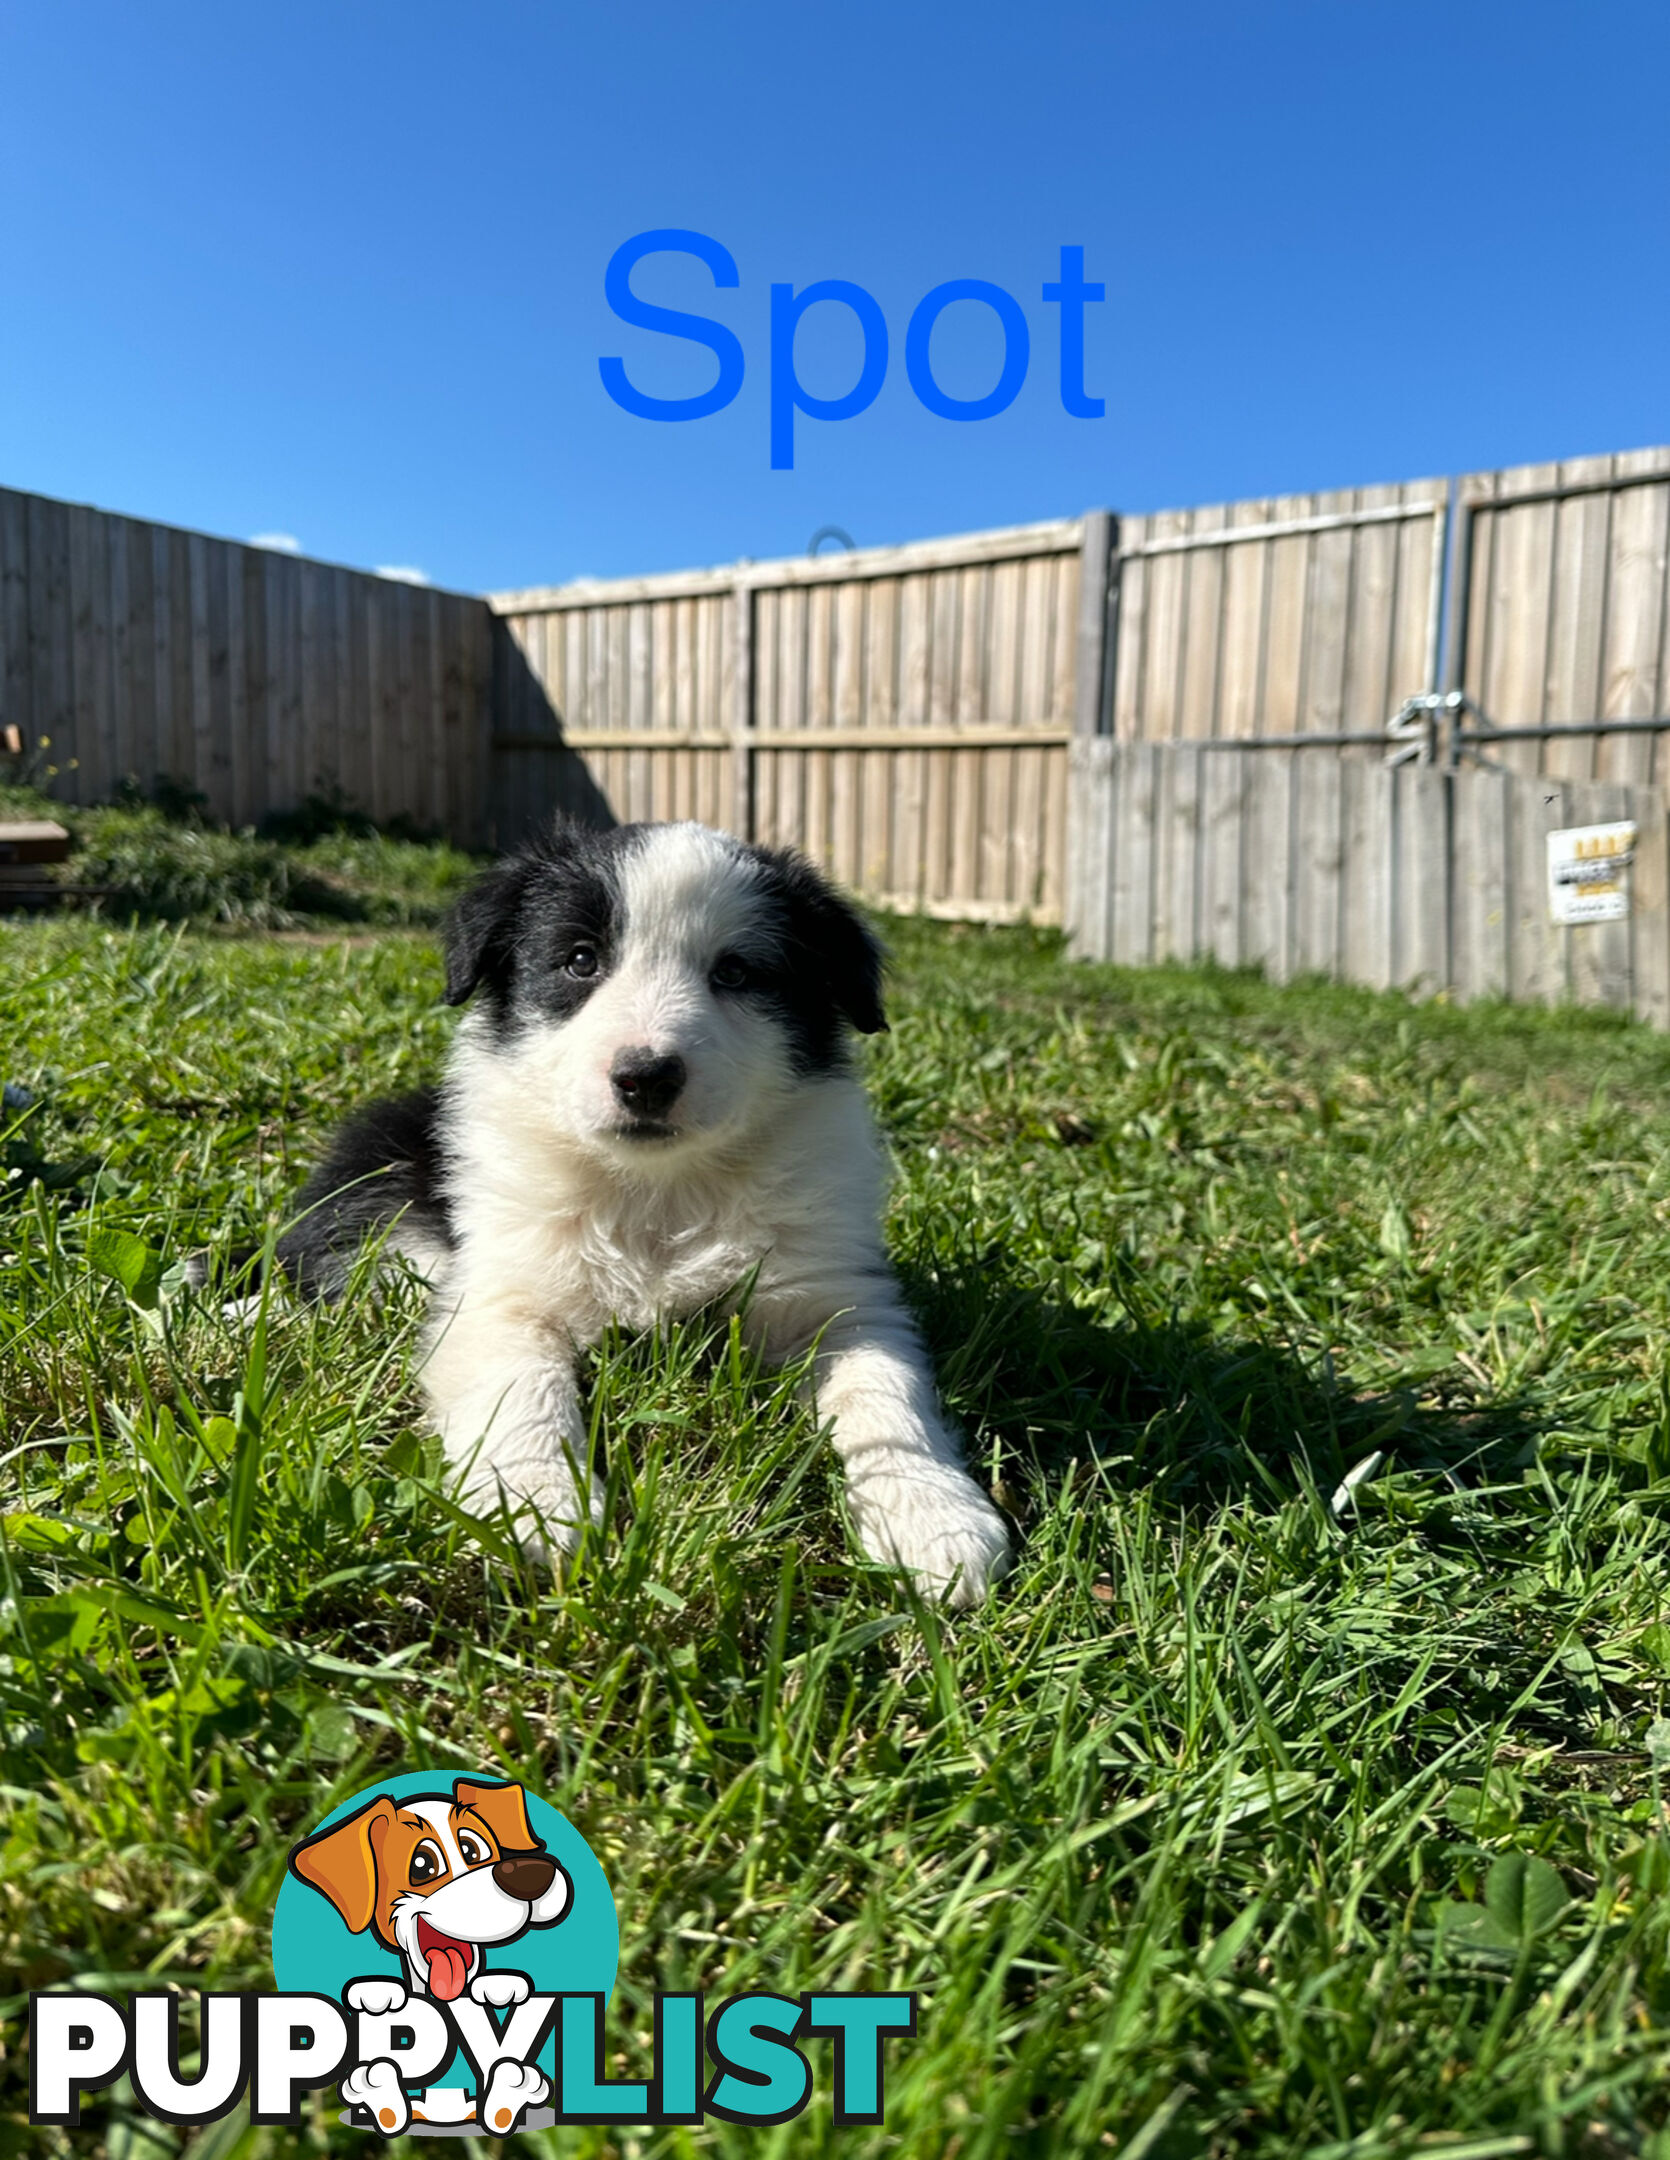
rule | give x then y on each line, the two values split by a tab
638	1273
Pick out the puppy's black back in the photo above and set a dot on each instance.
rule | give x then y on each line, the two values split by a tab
384	1164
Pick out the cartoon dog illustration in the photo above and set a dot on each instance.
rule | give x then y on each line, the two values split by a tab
439	1878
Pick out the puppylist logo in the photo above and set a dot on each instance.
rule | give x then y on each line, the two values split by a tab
444	1948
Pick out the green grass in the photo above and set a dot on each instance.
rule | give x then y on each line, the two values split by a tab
1186	1841
162	860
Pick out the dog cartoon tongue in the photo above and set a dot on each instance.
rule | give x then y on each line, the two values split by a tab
448	1962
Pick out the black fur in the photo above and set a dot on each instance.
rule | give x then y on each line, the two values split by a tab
828	966
384	1162
511	934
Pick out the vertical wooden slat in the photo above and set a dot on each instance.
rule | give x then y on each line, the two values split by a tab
1632	686
1129	610
1365	886
1537	960
1366	700
122	700
1600	951
1418	798
1317	866
880	710
240	778
1239	691
1200	674
1650	901
1178	882
847	625
16	704
1133	856
1224	778
742	711
50	636
1329	610
1090	827
1573	688
1524	599
1480	935
80	745
1267	865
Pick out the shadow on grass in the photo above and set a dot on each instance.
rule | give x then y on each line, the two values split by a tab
1201	1417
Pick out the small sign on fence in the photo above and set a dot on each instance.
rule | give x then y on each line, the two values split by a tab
1588	872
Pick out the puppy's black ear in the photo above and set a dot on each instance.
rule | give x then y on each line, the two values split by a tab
836	941
481	929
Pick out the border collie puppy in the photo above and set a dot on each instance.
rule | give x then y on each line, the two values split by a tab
649	1102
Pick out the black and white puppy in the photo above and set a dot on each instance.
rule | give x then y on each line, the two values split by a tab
649	1101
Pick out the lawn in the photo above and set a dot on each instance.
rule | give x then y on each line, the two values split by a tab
1236	1824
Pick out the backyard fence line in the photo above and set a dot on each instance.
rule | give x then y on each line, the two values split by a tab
255	677
921	720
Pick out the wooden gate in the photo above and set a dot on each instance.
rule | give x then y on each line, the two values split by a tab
1304	861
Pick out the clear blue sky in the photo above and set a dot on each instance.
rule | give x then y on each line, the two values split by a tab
336	270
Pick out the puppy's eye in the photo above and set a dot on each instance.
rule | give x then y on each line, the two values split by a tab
582	963
475	1851
427	1864
729	973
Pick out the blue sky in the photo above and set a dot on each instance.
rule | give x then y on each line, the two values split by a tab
336	270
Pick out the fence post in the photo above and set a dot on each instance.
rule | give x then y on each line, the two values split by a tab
1088	870
1096	558
742	709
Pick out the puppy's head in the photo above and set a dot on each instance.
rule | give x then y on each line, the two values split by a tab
662	987
436	1876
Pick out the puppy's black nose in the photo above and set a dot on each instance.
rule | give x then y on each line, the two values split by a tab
525	1876
647	1083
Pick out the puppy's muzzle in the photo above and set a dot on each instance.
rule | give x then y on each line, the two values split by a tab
525	1876
647	1083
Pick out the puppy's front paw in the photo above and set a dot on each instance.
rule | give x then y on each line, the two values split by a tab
549	1522
376	2087
937	1523
512	2088
377	1998
547	1514
500	1990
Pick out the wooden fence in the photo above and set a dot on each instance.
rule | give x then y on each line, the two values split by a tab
918	719
255	677
1291	614
1563	585
1303	861
901	714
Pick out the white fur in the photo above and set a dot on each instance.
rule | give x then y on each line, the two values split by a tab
563	1225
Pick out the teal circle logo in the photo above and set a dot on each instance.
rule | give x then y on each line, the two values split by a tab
445	1885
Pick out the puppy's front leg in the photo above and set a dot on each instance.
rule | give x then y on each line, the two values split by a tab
501	1390
912	1501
